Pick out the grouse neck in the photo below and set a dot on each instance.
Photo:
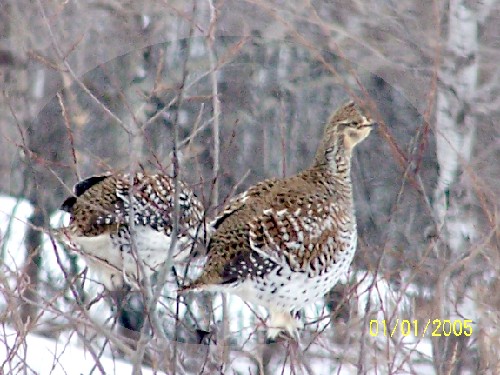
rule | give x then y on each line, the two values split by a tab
337	182
338	166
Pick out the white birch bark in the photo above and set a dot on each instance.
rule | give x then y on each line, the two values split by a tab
455	129
455	138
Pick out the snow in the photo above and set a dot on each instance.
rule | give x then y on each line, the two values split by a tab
13	218
379	294
39	355
14	215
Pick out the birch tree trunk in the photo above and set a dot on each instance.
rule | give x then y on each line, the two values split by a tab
455	135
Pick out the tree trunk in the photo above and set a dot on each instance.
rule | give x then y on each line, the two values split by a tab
455	135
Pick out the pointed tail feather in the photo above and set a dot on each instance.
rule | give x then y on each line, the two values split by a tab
195	286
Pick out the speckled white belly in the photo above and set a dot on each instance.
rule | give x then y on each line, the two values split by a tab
286	290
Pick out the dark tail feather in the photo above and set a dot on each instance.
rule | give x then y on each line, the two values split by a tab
200	284
188	288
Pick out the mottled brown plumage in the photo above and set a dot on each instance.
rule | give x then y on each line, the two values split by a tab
285	242
100	227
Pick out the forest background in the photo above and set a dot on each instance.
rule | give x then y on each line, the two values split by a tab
242	90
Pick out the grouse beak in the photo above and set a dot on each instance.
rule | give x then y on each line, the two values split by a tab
371	123
368	123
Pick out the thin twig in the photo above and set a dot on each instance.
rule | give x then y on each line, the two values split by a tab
68	67
216	154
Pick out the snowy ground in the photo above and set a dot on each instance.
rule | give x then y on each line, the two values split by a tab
39	355
66	356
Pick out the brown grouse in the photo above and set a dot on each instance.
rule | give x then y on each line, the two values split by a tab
100	227
284	243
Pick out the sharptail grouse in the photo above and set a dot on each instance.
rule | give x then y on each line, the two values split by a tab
100	228
284	243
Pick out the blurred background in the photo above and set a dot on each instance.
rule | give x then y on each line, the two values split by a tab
88	87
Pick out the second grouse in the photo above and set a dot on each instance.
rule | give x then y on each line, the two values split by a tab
100	224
